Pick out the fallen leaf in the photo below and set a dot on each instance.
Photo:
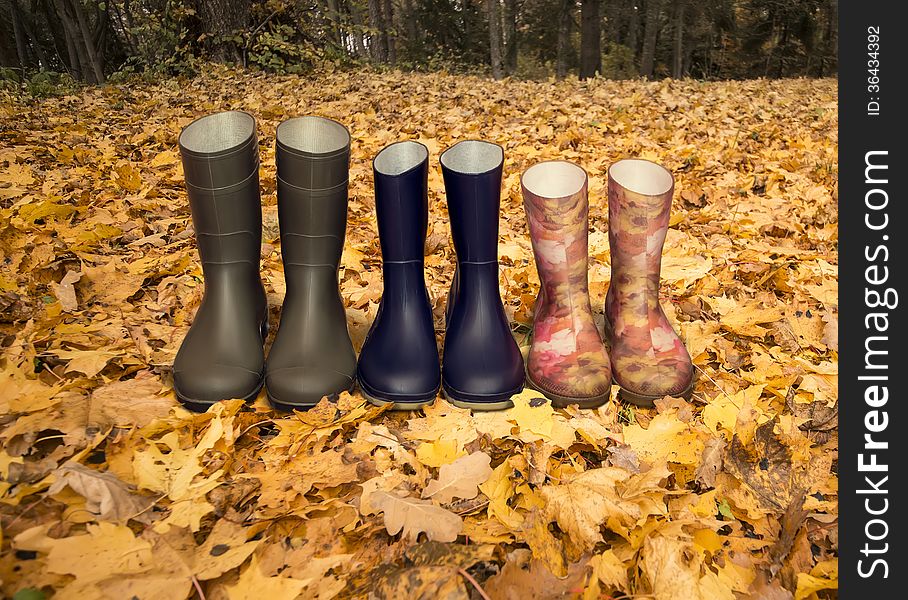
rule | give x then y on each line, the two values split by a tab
253	585
413	516
105	495
460	478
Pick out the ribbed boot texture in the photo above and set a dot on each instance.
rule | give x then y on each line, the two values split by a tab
567	361
649	360
482	366
312	355
398	364
221	356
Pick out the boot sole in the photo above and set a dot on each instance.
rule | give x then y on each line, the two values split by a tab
377	400
647	401
635	398
289	407
203	405
560	401
478	405
395	404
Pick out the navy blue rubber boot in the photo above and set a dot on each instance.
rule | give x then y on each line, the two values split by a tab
482	365
398	364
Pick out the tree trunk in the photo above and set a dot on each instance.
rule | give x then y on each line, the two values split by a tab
124	21
830	34
95	58
75	43
650	31
412	25
38	49
378	42
334	19
633	27
678	46
612	14
359	46
390	34
688	58
9	54
590	39
19	35
58	33
564	38
510	36
494	17
220	20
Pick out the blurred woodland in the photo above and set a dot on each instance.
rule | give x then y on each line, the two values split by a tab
47	42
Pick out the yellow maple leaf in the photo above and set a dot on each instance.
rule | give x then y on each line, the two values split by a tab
253	585
107	550
666	439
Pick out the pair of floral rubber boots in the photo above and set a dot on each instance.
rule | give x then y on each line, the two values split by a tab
568	361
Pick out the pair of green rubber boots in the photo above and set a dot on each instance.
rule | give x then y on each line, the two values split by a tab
312	355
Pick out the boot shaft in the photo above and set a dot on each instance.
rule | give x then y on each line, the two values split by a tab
313	161
555	198
639	208
220	163
472	172
401	172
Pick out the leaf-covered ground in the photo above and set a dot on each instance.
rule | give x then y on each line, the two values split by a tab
110	490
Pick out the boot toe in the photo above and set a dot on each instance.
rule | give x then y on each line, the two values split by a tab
304	387
477	374
582	384
400	383
656	379
215	383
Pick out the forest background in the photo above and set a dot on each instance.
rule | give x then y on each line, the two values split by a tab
91	41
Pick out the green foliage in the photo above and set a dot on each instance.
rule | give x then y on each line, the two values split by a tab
532	67
276	51
618	62
48	83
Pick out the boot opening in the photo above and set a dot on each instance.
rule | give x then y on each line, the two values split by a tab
641	176
472	157
315	135
218	133
554	179
400	157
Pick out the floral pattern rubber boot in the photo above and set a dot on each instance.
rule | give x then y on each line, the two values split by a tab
649	360
568	361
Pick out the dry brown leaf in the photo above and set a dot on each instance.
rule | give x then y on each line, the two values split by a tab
412	516
525	578
105	495
459	479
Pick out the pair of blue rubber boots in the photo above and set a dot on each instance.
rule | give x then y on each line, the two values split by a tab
482	366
